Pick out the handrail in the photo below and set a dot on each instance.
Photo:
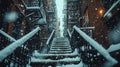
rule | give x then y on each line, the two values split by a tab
68	31
8	36
9	49
114	4
49	39
35	20
97	46
114	47
87	27
29	14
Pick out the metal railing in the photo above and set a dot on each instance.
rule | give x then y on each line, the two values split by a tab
48	43
12	47
68	34
92	53
8	36
50	38
111	8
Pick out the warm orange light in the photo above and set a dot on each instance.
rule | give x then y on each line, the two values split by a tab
101	11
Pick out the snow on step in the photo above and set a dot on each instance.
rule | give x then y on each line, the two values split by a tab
76	59
60	49
60	52
60	45
67	58
37	54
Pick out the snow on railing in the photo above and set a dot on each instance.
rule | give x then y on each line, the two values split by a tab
8	36
114	47
68	31
118	1
35	20
29	14
33	8
97	46
10	49
49	39
87	28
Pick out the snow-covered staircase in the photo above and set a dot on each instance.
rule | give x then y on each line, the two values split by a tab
60	52
60	46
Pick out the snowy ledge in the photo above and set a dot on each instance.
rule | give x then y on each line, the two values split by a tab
33	8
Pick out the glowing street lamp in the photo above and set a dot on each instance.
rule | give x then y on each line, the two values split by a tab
101	11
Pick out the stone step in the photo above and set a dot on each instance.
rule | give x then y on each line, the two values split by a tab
60	45
52	55
68	47
69	60
59	52
59	49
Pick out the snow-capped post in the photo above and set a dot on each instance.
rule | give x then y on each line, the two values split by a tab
10	48
97	46
8	36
